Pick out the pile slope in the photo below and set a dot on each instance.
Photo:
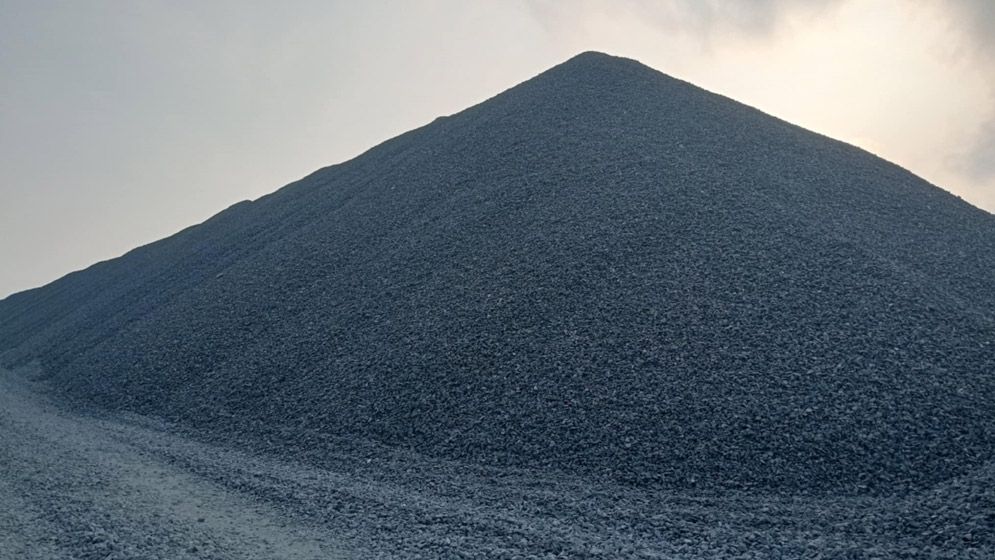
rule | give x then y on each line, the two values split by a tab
602	269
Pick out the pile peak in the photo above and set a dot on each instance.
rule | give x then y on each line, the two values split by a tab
601	270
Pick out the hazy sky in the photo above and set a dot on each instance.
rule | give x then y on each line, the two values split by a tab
123	122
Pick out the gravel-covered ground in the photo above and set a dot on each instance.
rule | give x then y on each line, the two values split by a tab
84	486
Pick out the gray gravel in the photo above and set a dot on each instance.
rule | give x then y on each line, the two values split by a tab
602	274
76	485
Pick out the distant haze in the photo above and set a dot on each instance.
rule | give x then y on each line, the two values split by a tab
123	122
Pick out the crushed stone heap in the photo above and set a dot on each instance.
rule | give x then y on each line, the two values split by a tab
602	270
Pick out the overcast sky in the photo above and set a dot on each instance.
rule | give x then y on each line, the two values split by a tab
123	122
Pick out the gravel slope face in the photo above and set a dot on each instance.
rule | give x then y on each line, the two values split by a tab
603	270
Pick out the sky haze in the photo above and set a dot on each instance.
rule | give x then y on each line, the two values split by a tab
124	122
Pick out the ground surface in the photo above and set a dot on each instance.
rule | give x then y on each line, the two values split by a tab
74	485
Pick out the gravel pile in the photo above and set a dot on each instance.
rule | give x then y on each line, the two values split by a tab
603	270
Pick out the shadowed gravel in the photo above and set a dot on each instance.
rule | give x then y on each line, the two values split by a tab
602	273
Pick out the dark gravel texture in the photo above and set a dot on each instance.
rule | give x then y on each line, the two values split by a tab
123	487
603	271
